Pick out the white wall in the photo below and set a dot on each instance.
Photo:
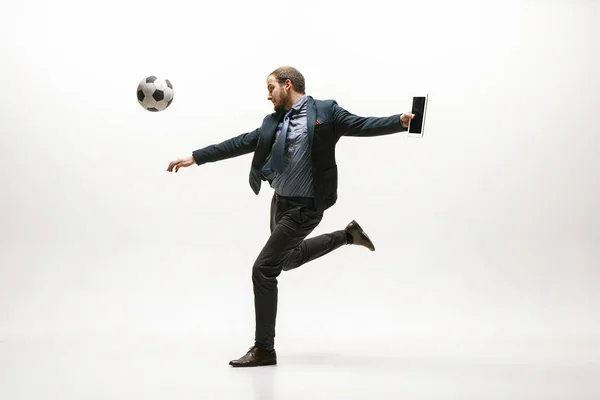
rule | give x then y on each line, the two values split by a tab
485	227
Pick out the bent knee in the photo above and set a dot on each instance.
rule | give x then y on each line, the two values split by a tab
292	261
265	272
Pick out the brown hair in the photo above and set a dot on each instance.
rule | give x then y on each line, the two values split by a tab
291	73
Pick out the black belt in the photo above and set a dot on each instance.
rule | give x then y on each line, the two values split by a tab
305	201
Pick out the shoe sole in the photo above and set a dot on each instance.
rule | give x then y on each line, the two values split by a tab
262	364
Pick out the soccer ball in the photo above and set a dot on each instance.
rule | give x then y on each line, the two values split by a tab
155	94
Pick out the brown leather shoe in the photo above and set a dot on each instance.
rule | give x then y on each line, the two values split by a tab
255	357
359	237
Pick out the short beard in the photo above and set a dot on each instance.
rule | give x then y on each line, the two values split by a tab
279	108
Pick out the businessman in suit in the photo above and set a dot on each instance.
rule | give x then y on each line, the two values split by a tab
294	150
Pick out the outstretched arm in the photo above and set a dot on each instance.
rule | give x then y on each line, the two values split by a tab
348	124
236	146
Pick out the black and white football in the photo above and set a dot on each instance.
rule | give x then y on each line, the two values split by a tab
155	94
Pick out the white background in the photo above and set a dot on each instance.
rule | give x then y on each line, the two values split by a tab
486	228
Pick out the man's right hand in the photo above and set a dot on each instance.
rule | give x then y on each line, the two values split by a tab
180	163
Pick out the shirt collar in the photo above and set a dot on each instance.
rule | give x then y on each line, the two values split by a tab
300	103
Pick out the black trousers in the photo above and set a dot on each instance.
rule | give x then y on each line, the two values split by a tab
292	220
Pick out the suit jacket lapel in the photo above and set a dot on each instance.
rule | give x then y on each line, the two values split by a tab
311	117
267	136
270	128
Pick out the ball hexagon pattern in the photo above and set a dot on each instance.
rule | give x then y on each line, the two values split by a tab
155	94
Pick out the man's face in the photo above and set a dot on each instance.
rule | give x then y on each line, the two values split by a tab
278	93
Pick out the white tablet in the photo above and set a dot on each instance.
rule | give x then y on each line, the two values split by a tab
416	126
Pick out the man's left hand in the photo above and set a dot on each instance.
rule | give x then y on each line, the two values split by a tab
405	117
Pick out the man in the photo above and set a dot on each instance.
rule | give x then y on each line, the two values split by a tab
294	150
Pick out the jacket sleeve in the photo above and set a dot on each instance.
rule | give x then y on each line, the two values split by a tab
236	146
348	124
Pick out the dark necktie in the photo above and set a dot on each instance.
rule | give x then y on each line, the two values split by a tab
278	160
